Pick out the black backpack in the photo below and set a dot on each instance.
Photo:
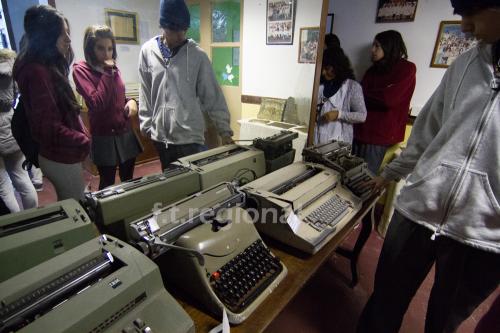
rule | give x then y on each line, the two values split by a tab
22	133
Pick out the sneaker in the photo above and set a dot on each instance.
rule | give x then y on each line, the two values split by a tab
38	187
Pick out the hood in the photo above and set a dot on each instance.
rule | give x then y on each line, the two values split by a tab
6	66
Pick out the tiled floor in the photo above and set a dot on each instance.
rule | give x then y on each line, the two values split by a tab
327	303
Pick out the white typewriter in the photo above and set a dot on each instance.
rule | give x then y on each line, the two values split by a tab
303	205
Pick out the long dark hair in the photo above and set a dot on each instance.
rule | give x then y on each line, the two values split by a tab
42	27
394	48
336	58
92	34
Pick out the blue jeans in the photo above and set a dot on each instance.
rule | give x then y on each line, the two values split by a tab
174	152
372	154
13	176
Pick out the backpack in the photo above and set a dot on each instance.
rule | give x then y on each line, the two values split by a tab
22	133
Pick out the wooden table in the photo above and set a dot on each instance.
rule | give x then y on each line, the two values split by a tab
301	268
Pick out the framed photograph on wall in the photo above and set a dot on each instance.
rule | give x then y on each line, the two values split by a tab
450	43
389	11
124	25
280	22
308	46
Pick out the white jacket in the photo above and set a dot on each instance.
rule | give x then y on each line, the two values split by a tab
453	157
349	101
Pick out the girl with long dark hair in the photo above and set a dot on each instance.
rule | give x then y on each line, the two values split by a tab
340	99
388	86
41	71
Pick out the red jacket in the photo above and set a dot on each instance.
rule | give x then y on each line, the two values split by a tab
387	99
104	94
61	135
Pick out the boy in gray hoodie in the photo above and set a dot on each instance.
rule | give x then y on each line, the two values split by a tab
177	85
448	213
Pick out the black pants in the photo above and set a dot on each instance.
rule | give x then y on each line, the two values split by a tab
174	152
107	173
464	277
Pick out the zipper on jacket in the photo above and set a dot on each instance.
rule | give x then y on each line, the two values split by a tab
455	189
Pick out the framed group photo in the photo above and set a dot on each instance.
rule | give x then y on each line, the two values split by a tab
450	43
280	22
308	46
389	11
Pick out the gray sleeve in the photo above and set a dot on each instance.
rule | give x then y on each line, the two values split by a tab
425	128
145	108
357	108
211	98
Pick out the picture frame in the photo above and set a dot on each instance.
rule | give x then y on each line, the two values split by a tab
450	43
390	11
329	23
308	45
280	22
124	25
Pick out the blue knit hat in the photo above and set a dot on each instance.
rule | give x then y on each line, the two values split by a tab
174	15
463	6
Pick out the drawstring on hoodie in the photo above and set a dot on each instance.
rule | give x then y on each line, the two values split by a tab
187	61
455	94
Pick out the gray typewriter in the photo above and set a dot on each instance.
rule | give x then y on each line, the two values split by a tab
208	247
226	163
337	155
102	285
32	236
114	207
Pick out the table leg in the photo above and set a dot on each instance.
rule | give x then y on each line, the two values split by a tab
353	255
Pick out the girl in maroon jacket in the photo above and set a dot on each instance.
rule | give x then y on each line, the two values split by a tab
99	82
388	86
41	71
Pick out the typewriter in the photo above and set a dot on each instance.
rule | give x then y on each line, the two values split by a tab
208	247
337	155
32	236
102	285
114	207
303	205
226	163
277	149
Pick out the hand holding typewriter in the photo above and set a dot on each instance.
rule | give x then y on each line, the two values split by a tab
330	116
227	140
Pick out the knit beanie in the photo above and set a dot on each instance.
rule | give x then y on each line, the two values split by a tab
174	15
462	6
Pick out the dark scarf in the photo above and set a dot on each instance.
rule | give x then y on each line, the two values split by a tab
331	87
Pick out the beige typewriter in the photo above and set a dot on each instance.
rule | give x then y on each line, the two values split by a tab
303	205
116	206
32	236
226	163
102	285
207	246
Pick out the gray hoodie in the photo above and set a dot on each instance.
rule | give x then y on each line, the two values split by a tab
453	157
173	94
8	144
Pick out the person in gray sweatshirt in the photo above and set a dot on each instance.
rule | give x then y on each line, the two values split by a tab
178	85
12	175
448	213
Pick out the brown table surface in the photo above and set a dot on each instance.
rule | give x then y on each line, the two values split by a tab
301	267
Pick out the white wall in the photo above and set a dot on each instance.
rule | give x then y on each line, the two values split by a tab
355	25
81	14
273	70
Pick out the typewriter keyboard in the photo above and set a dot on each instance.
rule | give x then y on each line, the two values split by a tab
328	214
239	282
